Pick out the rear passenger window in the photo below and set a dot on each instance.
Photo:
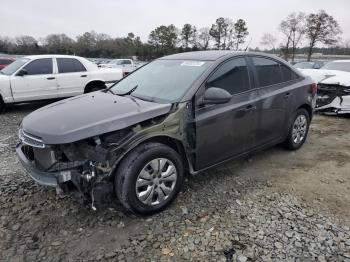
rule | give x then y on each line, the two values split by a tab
231	76
69	65
268	71
288	74
39	67
5	61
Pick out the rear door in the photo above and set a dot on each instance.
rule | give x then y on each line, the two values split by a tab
224	130
71	78
39	83
275	93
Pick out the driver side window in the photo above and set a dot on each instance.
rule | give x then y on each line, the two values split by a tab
39	67
231	76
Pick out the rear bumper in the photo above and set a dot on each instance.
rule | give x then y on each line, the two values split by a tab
52	179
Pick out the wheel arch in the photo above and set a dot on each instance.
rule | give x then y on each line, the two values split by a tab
308	108
92	83
169	141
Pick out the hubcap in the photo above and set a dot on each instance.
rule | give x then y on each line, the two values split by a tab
299	129
156	181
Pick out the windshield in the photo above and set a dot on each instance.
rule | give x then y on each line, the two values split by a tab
162	80
13	67
341	66
116	62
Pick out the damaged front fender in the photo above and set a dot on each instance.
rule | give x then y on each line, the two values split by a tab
89	165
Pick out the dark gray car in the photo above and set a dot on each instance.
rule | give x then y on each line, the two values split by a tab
177	115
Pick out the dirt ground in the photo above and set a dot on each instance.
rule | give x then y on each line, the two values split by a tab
274	205
318	173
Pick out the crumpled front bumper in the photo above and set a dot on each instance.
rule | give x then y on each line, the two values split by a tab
52	179
339	105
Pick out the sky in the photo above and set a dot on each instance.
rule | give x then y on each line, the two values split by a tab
117	18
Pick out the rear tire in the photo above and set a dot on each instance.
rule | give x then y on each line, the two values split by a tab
149	178
2	105
95	87
298	130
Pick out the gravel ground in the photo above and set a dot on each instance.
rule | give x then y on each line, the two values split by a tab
276	205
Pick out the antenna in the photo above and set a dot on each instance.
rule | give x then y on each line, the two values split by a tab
248	44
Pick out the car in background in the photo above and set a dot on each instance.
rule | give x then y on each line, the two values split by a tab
5	61
179	114
128	65
309	65
333	80
42	77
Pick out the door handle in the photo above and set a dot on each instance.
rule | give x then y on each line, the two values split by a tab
83	76
250	108
51	78
286	95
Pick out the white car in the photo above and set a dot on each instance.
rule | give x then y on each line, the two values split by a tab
42	77
127	65
333	94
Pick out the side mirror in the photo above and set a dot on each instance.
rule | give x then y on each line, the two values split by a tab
22	72
214	95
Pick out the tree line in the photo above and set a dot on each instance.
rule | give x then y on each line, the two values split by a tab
312	29
309	30
163	40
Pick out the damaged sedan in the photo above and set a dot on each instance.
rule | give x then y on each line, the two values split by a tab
177	115
333	80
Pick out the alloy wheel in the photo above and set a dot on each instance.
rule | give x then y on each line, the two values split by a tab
156	181
299	129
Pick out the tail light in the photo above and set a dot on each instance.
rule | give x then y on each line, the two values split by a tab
313	88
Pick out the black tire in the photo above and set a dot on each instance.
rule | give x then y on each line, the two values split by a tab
95	87
290	142
129	170
2	105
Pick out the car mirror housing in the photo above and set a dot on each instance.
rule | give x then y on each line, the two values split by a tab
22	72
215	95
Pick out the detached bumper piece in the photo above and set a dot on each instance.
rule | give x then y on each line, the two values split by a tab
80	176
333	99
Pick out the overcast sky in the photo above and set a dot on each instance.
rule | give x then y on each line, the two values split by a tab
116	18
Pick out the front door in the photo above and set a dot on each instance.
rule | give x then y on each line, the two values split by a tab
39	82
224	130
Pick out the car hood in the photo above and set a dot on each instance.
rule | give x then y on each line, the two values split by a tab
88	115
319	75
340	79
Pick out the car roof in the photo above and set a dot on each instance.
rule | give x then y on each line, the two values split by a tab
50	56
211	55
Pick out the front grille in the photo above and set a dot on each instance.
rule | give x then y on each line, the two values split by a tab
30	139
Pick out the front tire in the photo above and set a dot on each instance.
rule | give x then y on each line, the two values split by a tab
149	178
299	130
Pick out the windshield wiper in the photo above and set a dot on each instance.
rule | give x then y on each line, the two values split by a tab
144	98
110	90
129	92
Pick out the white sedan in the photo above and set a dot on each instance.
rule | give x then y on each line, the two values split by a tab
333	80
42	77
